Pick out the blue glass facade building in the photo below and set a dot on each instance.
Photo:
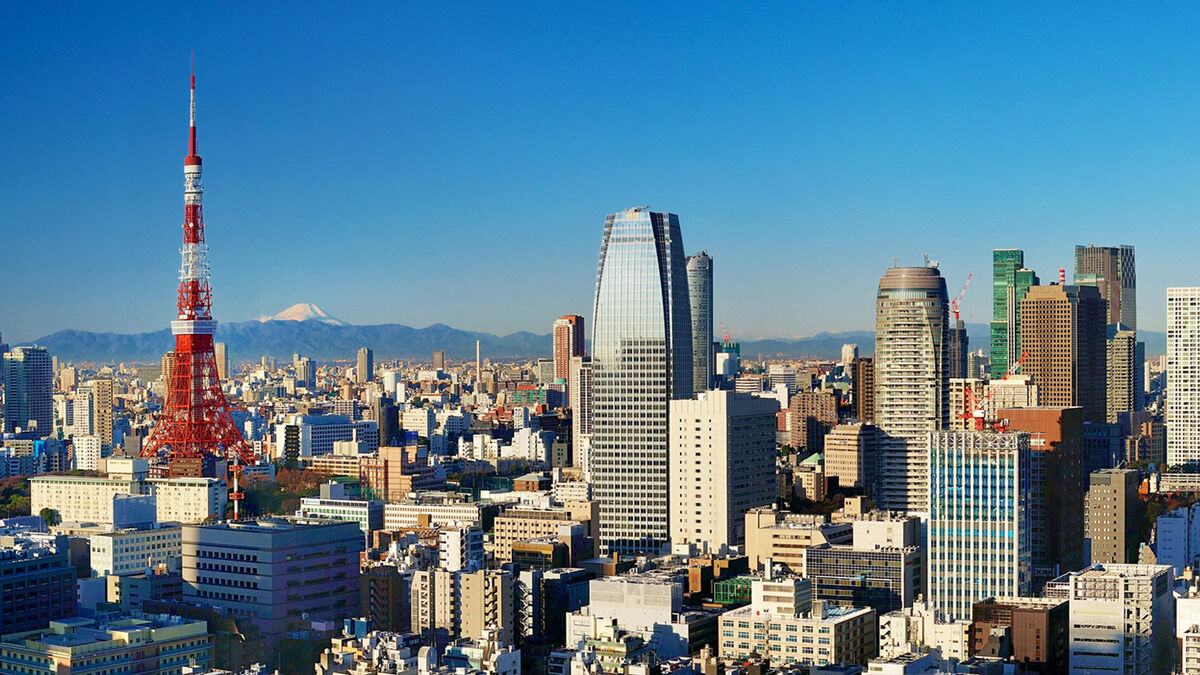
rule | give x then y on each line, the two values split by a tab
980	535
641	359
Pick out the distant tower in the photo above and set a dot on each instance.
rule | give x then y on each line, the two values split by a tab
568	343
700	295
364	370
28	400
849	353
1111	269
195	422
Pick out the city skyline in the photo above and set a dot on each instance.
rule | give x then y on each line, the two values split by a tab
314	154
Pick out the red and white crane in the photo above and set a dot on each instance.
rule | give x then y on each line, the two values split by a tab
954	304
975	407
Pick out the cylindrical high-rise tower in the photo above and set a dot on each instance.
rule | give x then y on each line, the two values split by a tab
195	421
911	380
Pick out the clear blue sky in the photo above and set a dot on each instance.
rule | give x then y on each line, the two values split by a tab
426	162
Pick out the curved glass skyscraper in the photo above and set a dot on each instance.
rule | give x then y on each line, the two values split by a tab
641	359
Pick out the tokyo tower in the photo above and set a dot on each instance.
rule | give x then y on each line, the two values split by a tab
195	423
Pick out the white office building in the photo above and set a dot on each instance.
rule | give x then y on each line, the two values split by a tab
314	435
1177	538
421	420
722	465
134	550
87	451
1122	619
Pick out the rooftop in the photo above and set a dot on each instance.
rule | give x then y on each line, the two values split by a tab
278	524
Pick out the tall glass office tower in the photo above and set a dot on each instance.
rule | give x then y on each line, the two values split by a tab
700	294
1112	270
641	359
1010	282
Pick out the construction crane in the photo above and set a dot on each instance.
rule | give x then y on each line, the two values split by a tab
725	339
954	304
975	408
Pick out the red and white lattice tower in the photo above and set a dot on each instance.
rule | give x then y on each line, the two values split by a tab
195	421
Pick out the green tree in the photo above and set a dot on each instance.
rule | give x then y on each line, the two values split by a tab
50	516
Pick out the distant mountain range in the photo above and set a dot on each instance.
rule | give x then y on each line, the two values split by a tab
307	330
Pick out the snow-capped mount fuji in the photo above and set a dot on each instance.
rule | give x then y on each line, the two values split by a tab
304	311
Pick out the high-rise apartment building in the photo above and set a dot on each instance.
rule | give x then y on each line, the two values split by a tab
1111	270
980	540
580	397
1183	375
364	369
463	604
849	353
812	414
862	389
568	344
1124	368
1062	331
852	456
700	296
1010	281
29	391
168	364
1059	484
222	356
100	391
641	359
1122	619
1109	507
911	380
722	465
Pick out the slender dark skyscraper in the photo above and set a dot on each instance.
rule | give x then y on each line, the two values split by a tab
700	295
1111	269
958	345
641	359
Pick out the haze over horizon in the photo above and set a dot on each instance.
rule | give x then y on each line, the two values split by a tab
397	181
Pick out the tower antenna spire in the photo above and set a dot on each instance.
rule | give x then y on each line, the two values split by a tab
192	125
